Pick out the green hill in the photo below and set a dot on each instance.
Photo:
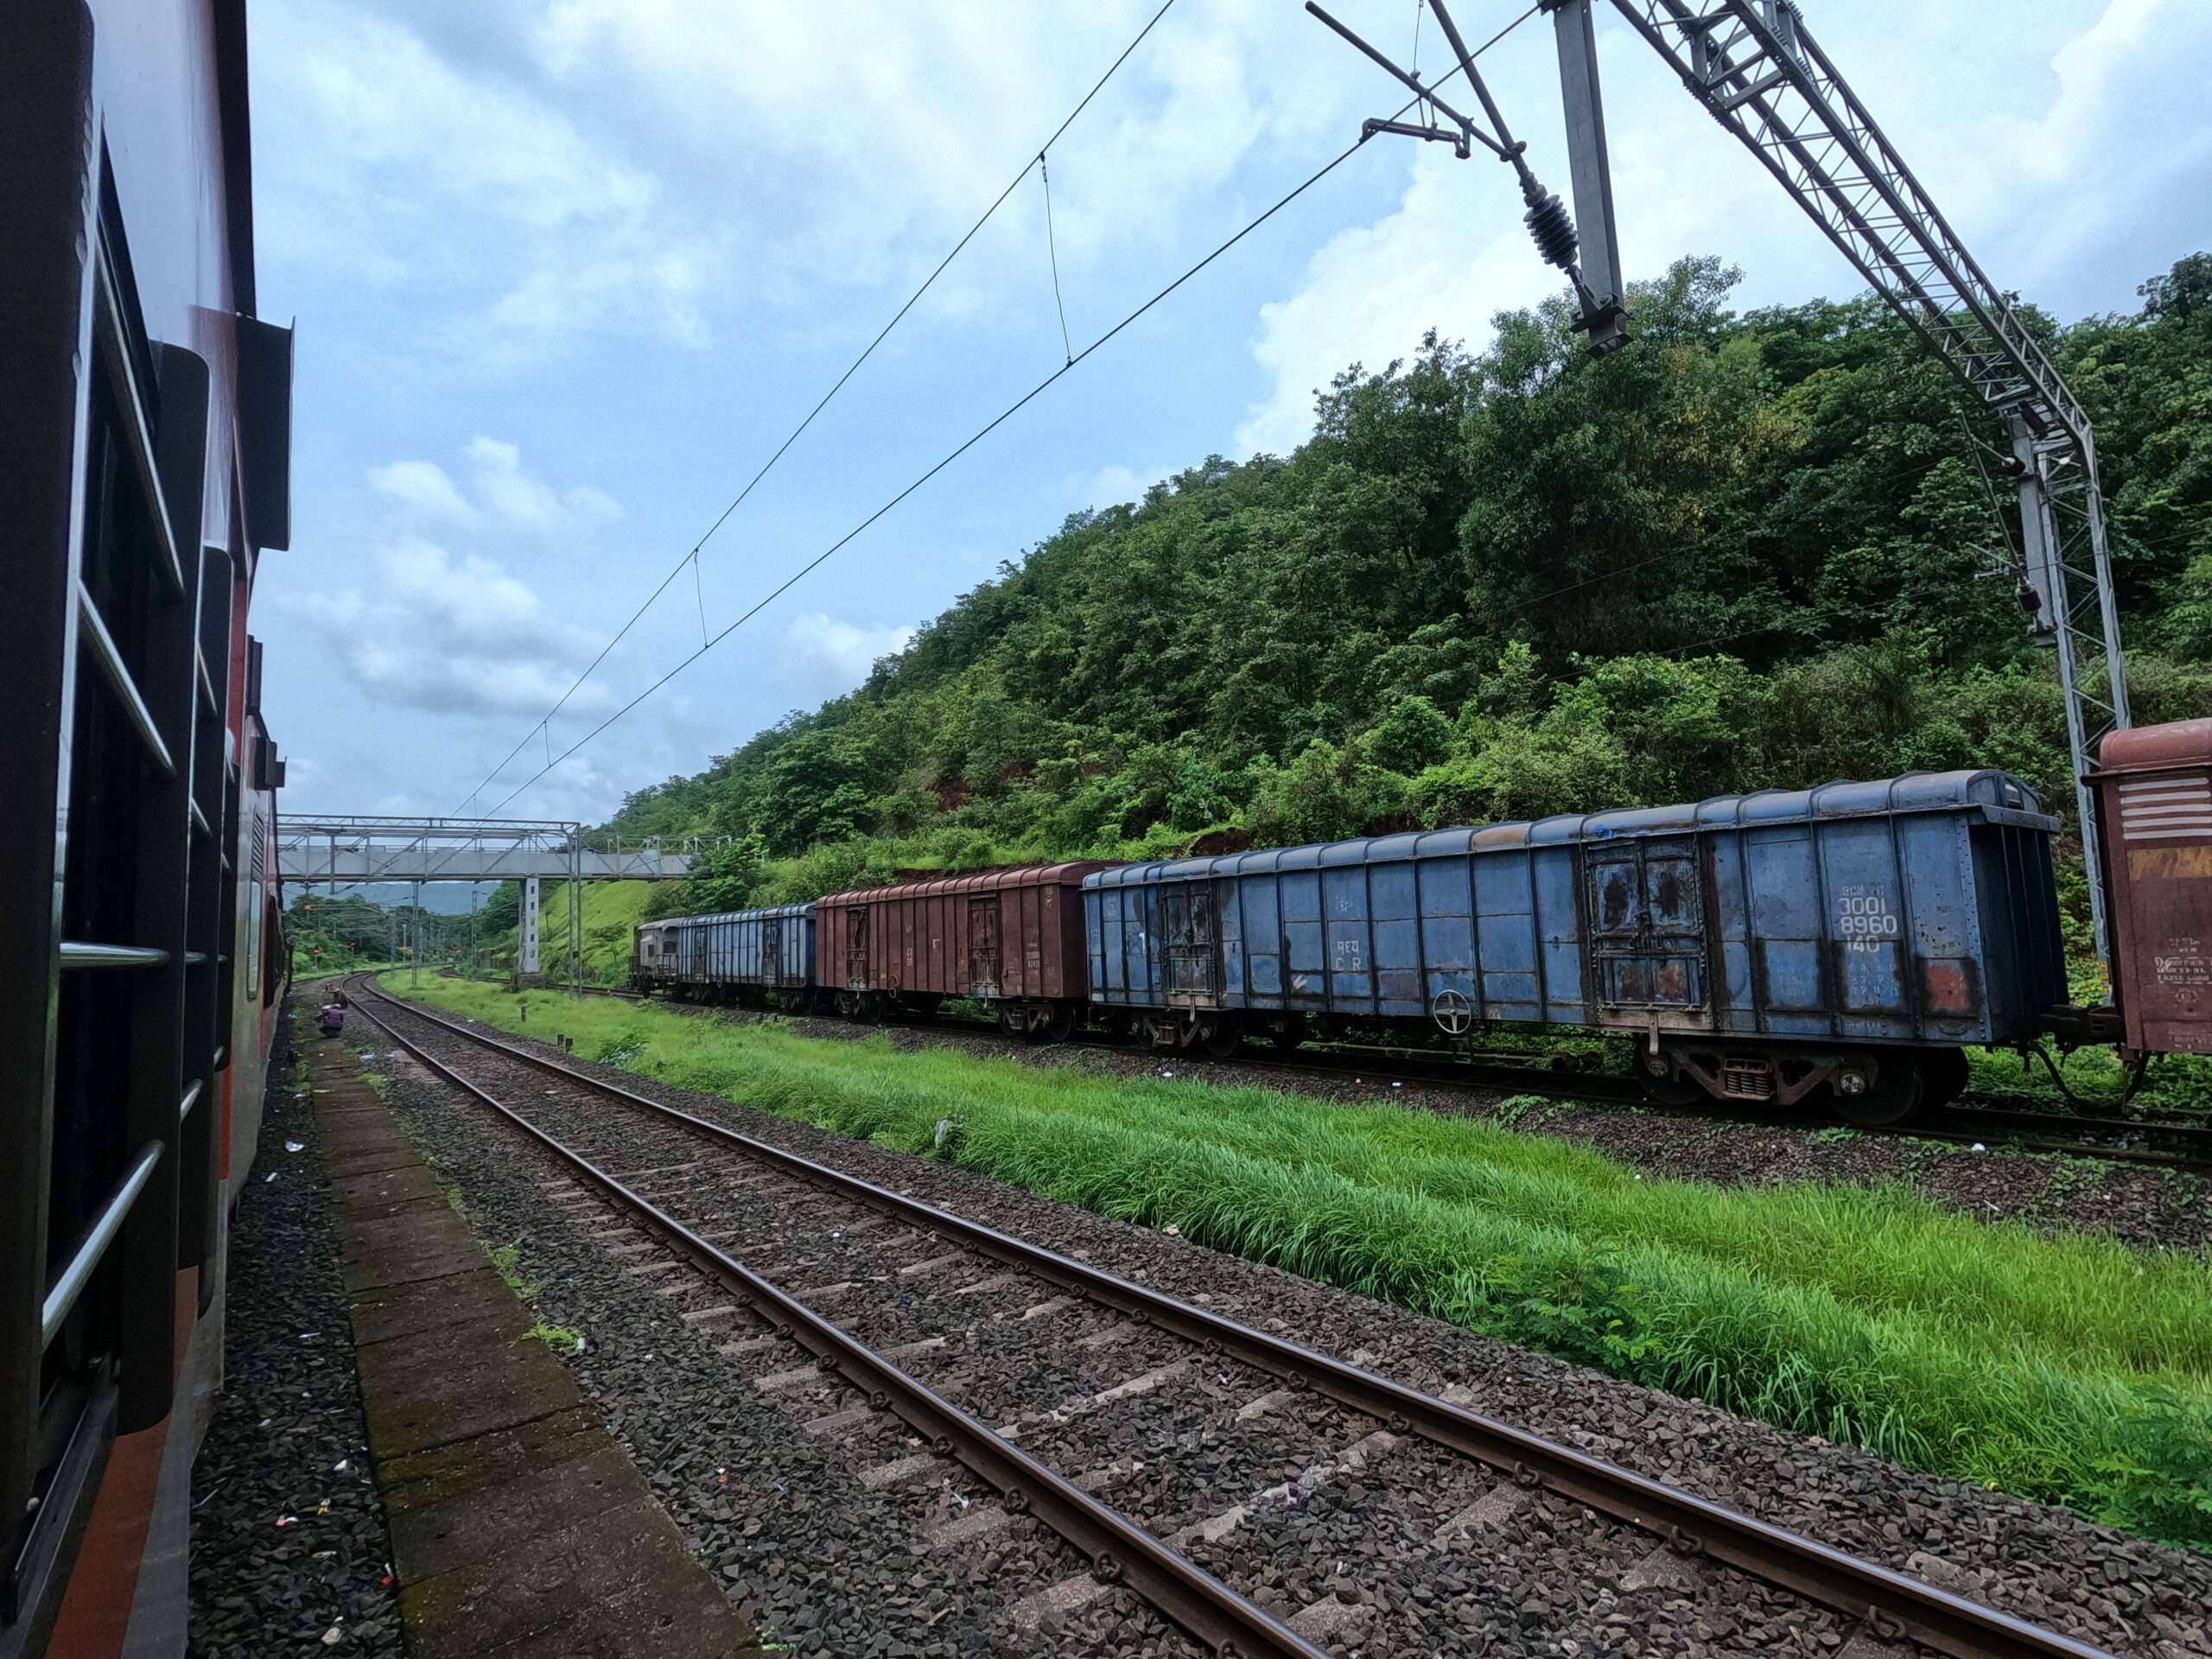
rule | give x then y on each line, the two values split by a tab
1748	550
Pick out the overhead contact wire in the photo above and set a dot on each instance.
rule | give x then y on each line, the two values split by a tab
912	300
992	425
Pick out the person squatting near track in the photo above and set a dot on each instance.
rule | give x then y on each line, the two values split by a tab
332	1020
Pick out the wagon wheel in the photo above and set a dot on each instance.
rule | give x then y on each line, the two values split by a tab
1892	1096
1291	1032
1221	1036
1681	1089
1944	1075
1062	1025
1453	1013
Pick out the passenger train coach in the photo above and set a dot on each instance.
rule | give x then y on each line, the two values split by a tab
145	419
1836	948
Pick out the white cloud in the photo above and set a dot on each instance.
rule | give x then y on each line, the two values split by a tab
515	496
824	656
438	174
423	488
452	636
508	495
663	167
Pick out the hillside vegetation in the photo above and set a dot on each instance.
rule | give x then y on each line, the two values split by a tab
1750	550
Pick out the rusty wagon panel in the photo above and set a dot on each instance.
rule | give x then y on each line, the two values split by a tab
1002	935
1917	908
2154	804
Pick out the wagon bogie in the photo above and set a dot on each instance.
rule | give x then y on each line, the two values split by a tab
1860	1086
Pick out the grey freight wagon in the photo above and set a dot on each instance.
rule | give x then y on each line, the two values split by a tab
1839	943
754	956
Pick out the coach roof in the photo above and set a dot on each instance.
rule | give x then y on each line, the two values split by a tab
1028	875
1995	795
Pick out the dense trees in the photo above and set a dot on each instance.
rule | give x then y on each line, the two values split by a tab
1748	549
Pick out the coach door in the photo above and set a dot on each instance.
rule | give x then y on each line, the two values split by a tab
983	945
1647	933
1190	945
857	948
771	951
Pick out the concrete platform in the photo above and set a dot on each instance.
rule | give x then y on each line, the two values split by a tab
518	1524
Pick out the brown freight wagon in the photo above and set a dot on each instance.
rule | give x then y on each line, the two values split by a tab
1013	939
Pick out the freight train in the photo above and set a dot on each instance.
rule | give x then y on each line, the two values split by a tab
1836	948
145	419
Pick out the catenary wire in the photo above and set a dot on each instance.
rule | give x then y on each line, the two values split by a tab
853	368
993	424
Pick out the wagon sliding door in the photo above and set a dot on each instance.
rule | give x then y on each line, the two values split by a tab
1647	933
1191	956
983	945
857	948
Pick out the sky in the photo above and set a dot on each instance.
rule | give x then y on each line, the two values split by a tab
566	274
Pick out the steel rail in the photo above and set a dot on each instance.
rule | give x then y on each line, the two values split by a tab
1891	1604
1119	1549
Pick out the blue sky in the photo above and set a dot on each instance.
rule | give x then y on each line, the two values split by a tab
565	274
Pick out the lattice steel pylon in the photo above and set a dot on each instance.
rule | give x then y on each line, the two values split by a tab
1757	70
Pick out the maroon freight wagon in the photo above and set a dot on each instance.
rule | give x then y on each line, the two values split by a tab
1013	939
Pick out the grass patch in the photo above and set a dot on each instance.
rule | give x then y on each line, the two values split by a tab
2068	1370
505	1258
560	1339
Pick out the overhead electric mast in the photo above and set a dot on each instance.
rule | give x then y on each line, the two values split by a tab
1599	301
1759	72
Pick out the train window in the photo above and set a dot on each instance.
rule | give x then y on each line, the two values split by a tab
274	960
256	898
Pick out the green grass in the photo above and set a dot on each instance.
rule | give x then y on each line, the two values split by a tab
2068	1370
612	913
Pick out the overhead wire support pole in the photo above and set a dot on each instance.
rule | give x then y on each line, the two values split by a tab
1757	71
1547	219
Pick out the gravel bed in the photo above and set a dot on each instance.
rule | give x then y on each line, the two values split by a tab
2138	1203
2093	1583
820	1562
1207	1438
289	1553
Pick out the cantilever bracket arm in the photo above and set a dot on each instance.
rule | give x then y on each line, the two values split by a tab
1455	136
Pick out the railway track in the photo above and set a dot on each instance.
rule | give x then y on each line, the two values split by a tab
990	1316
2149	1141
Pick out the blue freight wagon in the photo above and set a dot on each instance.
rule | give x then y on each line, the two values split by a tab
760	958
1841	943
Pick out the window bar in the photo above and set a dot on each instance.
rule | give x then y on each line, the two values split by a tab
71	1285
78	953
200	822
118	678
197	1087
123	384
